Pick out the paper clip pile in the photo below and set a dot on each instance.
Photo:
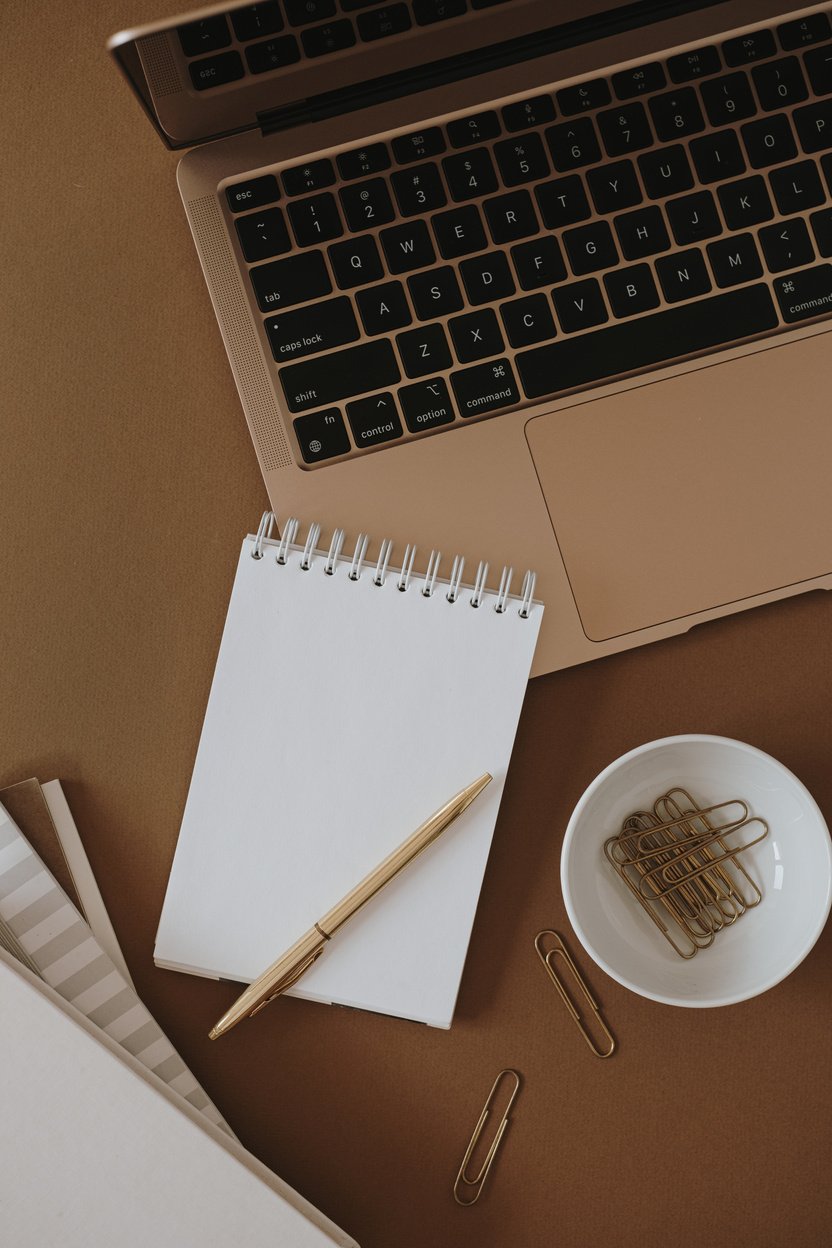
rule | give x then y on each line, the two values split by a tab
681	863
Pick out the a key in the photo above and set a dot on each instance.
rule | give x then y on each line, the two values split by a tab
683	275
362	161
208	35
628	83
747	48
487	278
693	218
579	305
631	290
263	234
511	217
252	194
814	126
734	260
476	336
818	64
699	63
262	58
458	232
797	187
435	293
419	145
528	320
769	142
642	233
728	99
296	279
383	308
717	156
614	186
804	31
333	37
374	419
367	204
485	388
427	12
563	202
315	220
590	248
418	189
676	114
745	203
407	247
522	159
786	245
470	174
424	350
477	128
356	262
821	223
779	83
330	378
524	114
805	294
256	20
572	144
583	96
302	12
317	327
314	176
390	19
213	71
538	263
625	129
426	404
665	171
321	435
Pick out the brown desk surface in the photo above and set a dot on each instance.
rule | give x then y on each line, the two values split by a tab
128	480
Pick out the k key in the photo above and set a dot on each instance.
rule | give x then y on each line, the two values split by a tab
745	203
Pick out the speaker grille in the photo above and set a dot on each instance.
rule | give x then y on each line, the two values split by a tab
159	64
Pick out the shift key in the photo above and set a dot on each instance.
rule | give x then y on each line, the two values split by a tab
330	378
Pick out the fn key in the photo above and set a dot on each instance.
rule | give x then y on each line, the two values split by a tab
321	435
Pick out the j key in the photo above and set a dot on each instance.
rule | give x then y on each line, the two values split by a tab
426	404
528	320
590	247
614	186
786	245
361	161
390	19
577	99
804	31
625	129
580	305
317	327
665	171
383	308
424	350
676	114
262	58
321	435
476	336
487	278
814	126
683	275
321	40
252	194
822	229
693	218
209	35
342	375
407	247
356	262
728	99
315	220
747	48
419	145
257	20
300	12
521	160
485	388
650	340
638	81
717	156
779	83
293	280
458	232
367	204
539	263
470	175
263	234
526	113
696	64
734	260
427	12
797	187
745	203
213	71
563	202
435	293
642	233
806	294
475	129
419	189
819	68
374	419
769	142
631	290
572	144
511	217
312	177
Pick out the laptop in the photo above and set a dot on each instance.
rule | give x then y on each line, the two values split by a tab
538	280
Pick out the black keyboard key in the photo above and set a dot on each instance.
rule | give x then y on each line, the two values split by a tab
485	388
805	30
590	248
747	48
734	260
821	223
426	404
523	114
573	144
638	81
814	126
374	419
458	232
539	263
717	156
252	194
797	187
321	40
257	20
383	308
321	435
478	128
313	176
419	145
698	63
780	83
367	204
642	233
728	99
676	114
745	203
262	58
631	290
419	189
362	161
625	129
580	305
263	234
806	294
787	245
563	202
342	375
522	159
213	71
826	166
315	220
302	12
435	293
356	262
614	186
769	142
470	175
487	278
427	12
424	350
296	279
209	35
511	217
665	171
476	336
683	275
407	247
693	218
317	327
390	19
528	320
818	64
584	95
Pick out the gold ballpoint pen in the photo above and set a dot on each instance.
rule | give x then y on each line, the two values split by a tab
288	968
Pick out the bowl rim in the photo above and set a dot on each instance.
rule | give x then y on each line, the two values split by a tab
569	836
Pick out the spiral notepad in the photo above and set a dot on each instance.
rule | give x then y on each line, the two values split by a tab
351	699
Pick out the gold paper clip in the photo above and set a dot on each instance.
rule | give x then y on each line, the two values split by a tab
476	1183
546	958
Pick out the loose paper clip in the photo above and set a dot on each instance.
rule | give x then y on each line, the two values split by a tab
476	1183
546	957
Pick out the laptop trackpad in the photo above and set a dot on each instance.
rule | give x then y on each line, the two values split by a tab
692	493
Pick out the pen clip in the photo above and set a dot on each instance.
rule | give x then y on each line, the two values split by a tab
290	978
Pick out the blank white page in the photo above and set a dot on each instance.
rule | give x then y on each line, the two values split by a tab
342	714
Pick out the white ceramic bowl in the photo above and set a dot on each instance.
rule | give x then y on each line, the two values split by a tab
792	866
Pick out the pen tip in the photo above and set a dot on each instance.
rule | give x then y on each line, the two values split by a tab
214	1033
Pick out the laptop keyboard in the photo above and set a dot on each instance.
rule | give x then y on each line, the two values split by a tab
546	244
